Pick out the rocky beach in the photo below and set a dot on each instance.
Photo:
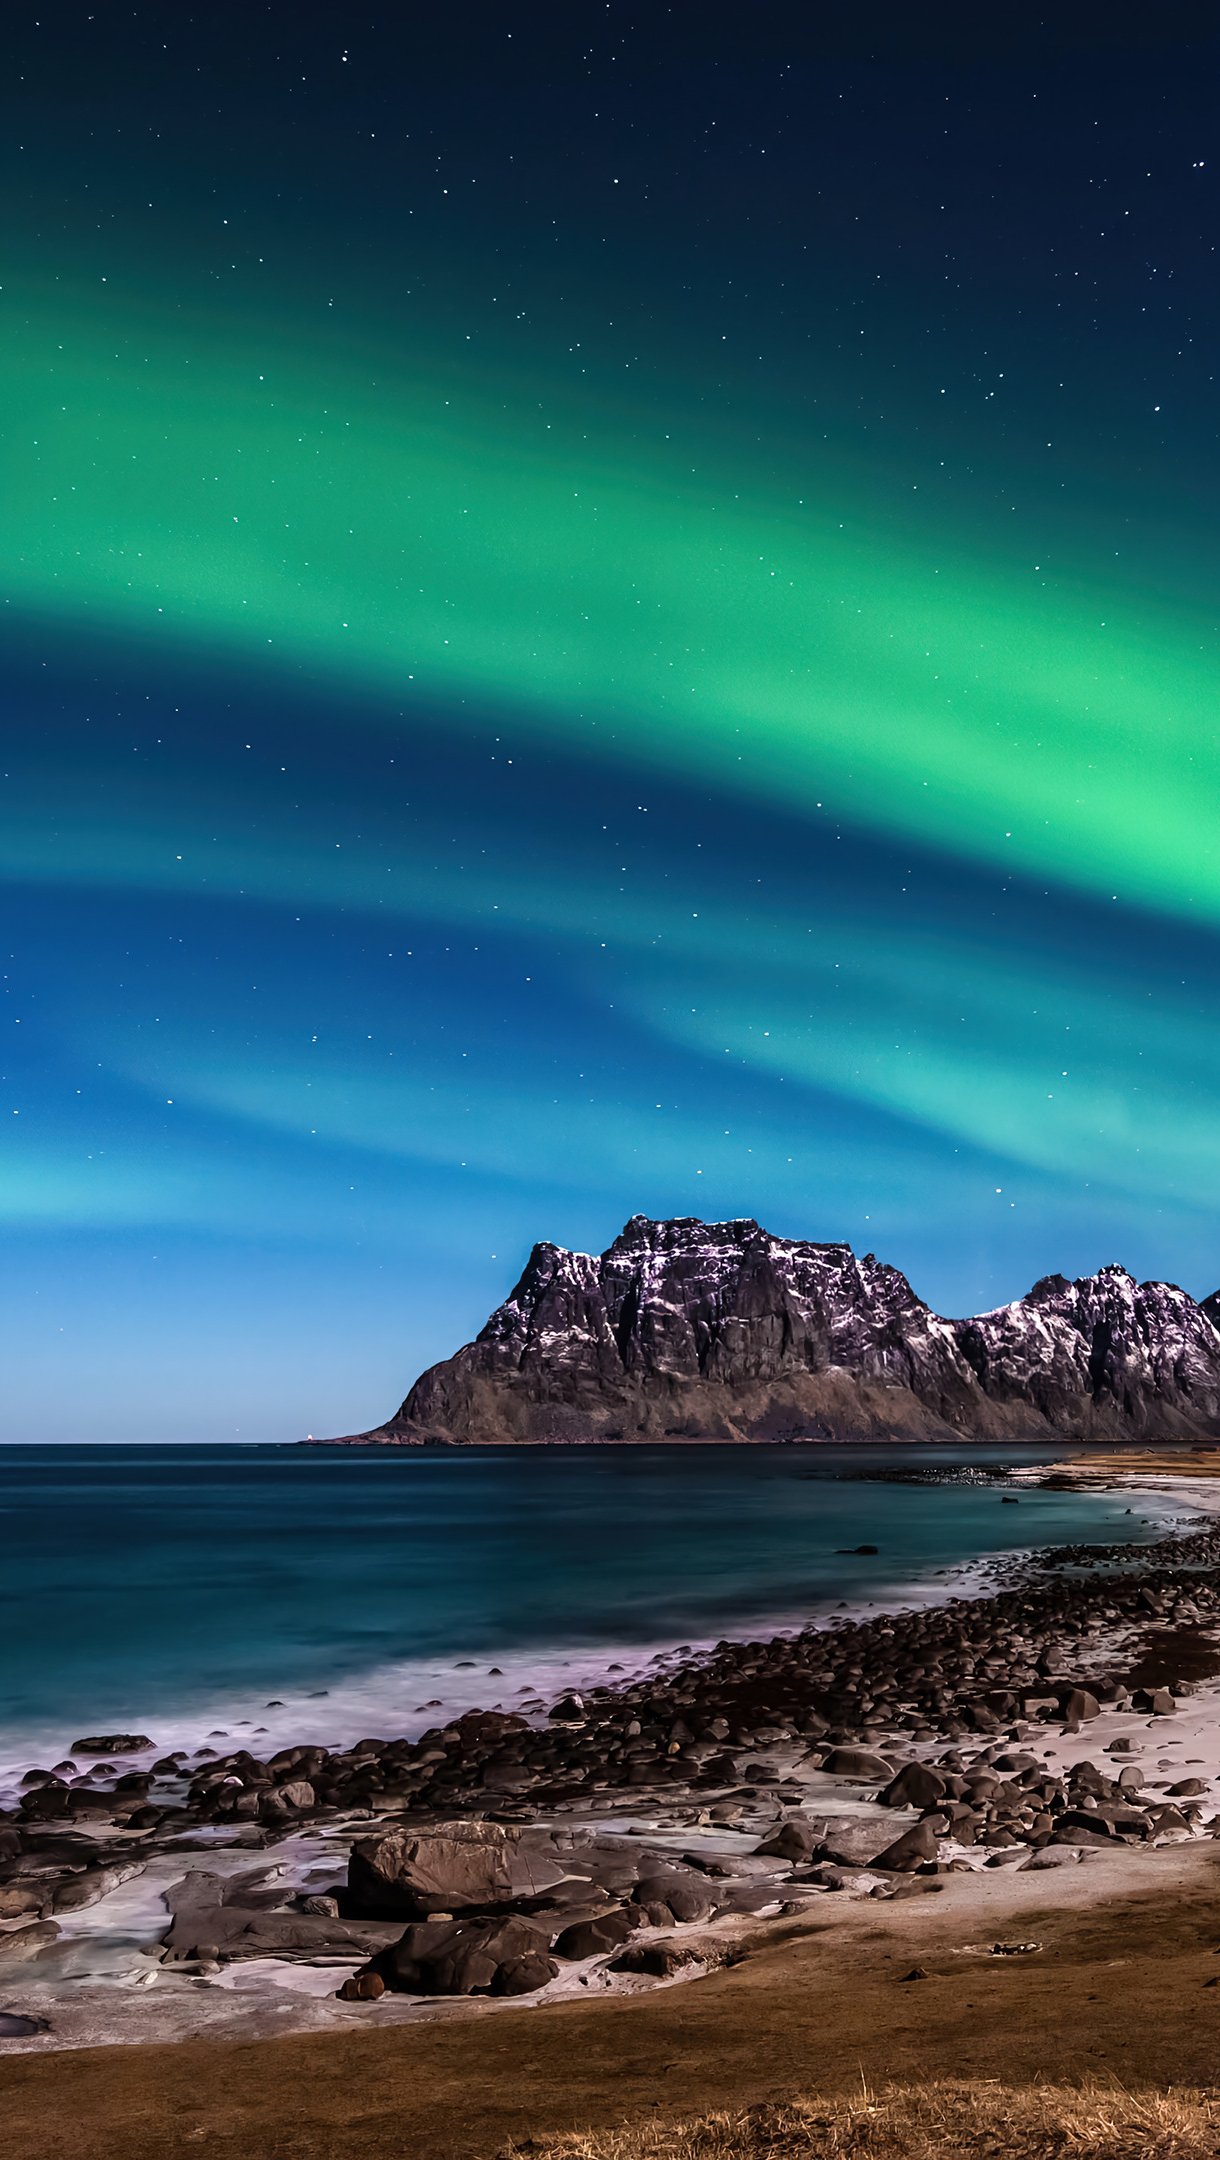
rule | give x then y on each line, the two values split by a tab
638	1833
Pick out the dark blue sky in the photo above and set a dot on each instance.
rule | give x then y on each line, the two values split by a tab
605	613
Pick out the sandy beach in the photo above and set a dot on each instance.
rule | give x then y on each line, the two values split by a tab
1061	1796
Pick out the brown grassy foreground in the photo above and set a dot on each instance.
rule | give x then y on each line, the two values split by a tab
1120	1996
939	2122
1102	1463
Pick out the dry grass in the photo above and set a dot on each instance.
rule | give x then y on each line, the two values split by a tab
939	2122
1196	1462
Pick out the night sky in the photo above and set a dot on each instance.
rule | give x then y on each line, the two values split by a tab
604	608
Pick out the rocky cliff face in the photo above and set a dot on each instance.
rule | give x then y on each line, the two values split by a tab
687	1330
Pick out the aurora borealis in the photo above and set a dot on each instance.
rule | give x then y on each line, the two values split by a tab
594	619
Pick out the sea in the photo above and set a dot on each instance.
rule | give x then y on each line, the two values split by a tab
293	1593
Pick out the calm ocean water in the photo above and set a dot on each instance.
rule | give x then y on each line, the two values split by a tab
169	1588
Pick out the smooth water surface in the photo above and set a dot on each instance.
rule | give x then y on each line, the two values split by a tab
147	1583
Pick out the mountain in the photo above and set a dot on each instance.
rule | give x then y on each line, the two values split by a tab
688	1330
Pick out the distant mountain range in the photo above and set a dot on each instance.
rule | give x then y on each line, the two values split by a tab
686	1330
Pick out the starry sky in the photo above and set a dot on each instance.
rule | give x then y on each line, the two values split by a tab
603	609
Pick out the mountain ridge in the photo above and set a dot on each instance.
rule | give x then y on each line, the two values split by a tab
686	1330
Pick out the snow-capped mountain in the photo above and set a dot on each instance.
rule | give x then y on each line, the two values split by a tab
687	1330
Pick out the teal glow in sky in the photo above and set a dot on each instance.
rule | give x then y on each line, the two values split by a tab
527	702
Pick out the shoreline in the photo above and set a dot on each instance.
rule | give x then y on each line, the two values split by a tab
350	1705
704	1816
380	1439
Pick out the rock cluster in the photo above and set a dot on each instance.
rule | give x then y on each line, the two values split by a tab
464	1871
577	1897
688	1330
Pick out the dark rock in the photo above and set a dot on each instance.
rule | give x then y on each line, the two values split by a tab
86	1803
44	1803
295	1797
857	1764
685	1899
659	1960
524	1975
1168	1822
1083	1819
590	1938
113	1744
912	1850
452	1867
794	1841
916	1785
1156	1702
465	1957
1079	1704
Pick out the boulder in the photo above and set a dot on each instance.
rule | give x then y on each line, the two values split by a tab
859	1765
793	1841
468	1957
524	1975
590	1938
1084	1819
44	1803
113	1744
912	1850
917	1785
1168	1822
87	1804
452	1867
684	1898
659	1960
1155	1702
280	1804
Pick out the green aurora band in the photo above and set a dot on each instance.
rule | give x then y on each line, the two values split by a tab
410	533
